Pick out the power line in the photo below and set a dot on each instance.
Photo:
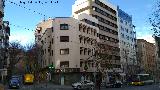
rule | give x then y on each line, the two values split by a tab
21	27
26	8
37	2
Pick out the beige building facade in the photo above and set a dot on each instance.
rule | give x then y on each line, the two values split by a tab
67	43
146	56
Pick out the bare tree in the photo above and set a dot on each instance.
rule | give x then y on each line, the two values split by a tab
31	57
155	22
155	19
15	48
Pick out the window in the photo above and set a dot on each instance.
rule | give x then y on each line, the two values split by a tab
39	31
85	40
81	50
81	63
52	29
122	28
122	35
64	27
52	40
84	29
48	50
127	37
85	50
89	52
64	51
121	20
64	38
52	52
127	30
126	22
80	27
80	39
94	32
88	30
64	64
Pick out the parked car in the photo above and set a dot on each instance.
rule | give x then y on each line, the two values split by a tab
14	83
137	83
86	84
116	84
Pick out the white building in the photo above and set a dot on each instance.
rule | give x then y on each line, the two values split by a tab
127	41
67	43
106	14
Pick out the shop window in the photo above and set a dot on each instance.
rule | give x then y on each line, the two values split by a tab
64	64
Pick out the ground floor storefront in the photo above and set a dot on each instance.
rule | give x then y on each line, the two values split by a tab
71	75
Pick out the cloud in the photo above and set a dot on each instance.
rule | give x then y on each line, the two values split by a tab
24	39
144	32
148	38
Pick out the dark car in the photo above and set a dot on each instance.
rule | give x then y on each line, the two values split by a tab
14	83
116	84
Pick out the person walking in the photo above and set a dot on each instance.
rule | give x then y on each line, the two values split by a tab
98	80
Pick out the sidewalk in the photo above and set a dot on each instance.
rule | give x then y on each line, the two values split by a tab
1	87
51	85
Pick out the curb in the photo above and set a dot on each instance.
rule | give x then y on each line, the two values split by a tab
49	85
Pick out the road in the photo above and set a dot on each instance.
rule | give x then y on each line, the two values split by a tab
57	87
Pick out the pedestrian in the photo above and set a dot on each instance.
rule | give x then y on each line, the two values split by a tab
98	84
98	80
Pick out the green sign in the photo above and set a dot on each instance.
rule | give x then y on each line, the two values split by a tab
51	67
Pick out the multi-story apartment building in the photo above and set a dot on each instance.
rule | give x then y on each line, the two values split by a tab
108	30
67	43
4	42
157	53
146	56
127	42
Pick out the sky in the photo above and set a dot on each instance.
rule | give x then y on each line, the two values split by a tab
22	19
